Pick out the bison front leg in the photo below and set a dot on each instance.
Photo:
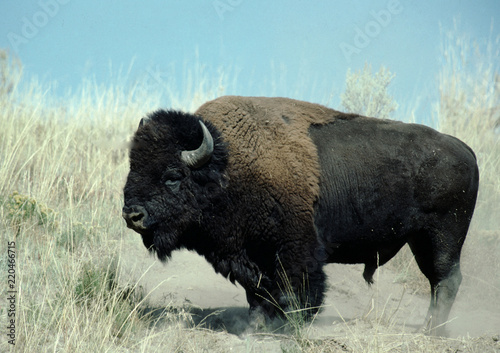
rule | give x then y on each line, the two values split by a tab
258	285
260	311
292	290
263	299
300	282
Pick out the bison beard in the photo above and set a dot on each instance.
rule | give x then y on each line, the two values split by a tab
269	190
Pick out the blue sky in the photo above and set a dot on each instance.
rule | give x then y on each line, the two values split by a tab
288	48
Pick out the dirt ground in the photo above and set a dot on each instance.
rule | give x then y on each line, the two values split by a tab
188	281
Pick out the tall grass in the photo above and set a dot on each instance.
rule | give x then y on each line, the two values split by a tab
62	168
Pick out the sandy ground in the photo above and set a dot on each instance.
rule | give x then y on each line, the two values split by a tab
188	281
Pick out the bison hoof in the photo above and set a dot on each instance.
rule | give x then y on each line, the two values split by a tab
257	320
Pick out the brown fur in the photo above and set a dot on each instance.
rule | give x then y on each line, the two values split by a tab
275	130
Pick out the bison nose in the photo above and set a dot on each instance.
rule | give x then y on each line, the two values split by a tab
135	216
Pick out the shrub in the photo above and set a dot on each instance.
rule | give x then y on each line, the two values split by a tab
21	208
366	93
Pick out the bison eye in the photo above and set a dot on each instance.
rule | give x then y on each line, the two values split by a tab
173	184
172	178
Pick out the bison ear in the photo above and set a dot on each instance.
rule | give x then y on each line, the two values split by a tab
198	157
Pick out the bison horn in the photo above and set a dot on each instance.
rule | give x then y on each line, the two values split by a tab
198	157
143	122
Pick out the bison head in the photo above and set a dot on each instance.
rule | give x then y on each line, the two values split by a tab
177	165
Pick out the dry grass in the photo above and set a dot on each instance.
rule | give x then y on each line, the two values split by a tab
67	162
62	168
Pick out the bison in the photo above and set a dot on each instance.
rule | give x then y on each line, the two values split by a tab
269	190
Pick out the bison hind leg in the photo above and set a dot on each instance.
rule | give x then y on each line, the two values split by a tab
442	297
438	257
